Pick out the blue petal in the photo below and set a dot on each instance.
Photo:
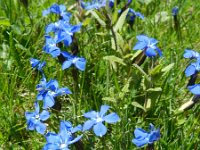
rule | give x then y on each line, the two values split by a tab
138	14
103	110
80	64
44	115
30	125
48	101
67	40
159	51
111	118
91	114
29	115
55	9
67	55
154	136
140	133
52	137
76	28
55	52
190	70
37	108
75	140
140	143
77	128
45	12
88	124
66	64
51	146
40	127
190	54
63	91
139	46
52	85
50	28
34	62
142	38
100	129
195	89
150	52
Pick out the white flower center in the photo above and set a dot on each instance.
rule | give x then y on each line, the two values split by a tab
99	119
63	145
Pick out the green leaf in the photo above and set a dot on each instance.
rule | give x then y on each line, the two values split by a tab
142	71
136	104
121	20
97	17
5	22
168	68
156	89
113	58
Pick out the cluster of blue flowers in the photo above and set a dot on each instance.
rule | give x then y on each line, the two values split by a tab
48	90
192	70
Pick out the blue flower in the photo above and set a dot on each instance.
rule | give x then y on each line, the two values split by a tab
58	9
97	119
35	63
191	54
194	67
51	47
195	89
63	32
143	137
63	139
111	3
48	91
148	45
175	11
34	119
132	14
94	4
78	62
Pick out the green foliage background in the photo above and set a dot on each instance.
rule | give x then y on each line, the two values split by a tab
150	93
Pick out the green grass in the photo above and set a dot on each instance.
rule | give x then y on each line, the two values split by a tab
150	93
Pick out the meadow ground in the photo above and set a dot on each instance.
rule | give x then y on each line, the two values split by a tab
139	92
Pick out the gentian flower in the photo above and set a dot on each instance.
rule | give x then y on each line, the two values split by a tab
51	47
62	140
48	91
111	3
94	4
195	89
34	119
97	119
143	137
148	45
78	62
175	11
63	32
191	54
58	9
132	14
35	63
194	67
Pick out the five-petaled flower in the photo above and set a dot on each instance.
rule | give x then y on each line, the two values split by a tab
97	119
143	137
59	10
148	45
48	91
78	62
63	139
34	119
